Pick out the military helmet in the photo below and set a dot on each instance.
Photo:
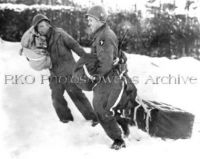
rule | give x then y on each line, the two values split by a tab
97	12
38	18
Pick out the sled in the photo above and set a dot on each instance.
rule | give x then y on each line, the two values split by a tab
162	120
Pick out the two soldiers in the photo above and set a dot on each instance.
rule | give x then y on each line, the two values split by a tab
107	95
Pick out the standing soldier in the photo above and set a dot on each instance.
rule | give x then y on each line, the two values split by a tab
59	46
110	87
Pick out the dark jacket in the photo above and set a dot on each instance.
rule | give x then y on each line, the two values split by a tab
105	46
60	46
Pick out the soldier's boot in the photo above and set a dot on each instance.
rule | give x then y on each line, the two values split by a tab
94	123
67	120
118	144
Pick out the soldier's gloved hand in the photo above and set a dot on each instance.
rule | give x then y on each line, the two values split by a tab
96	78
109	113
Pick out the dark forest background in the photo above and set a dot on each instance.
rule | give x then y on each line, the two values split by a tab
162	34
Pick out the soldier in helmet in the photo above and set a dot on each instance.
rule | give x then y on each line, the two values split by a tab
110	87
60	45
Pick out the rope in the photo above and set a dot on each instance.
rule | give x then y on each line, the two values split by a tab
163	106
148	112
87	73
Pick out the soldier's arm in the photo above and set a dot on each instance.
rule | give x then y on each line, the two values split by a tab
72	44
105	53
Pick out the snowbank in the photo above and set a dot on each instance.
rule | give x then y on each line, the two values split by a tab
30	128
21	7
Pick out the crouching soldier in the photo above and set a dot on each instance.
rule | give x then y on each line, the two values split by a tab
59	46
109	89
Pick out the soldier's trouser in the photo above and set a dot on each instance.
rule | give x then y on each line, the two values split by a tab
77	96
105	96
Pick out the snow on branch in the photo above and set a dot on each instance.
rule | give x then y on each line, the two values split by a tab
22	7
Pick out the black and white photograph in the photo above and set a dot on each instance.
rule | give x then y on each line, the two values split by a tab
96	79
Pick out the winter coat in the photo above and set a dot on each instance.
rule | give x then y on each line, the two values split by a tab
100	61
60	46
34	48
105	47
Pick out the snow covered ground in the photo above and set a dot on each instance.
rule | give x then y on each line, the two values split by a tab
29	128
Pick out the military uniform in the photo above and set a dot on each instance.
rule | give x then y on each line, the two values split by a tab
112	92
63	63
59	46
107	91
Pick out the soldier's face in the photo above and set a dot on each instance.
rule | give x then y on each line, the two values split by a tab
93	24
43	28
